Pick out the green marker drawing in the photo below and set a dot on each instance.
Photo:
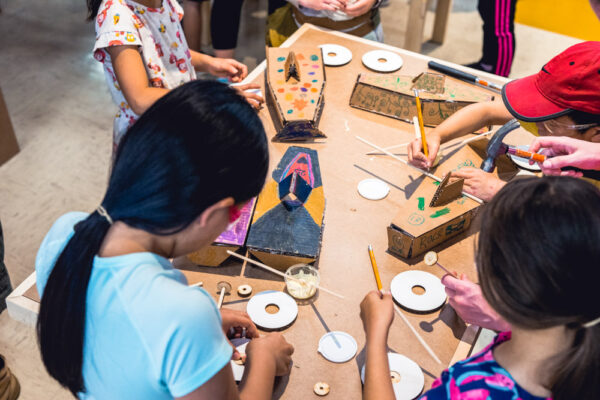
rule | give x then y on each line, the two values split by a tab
439	213
422	203
436	183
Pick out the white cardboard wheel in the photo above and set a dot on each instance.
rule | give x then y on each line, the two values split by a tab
238	370
392	61
373	189
342	55
256	309
433	298
337	346
411	381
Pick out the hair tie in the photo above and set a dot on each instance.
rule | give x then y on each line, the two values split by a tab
102	211
592	323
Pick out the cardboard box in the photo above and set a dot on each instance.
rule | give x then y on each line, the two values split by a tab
8	141
232	239
417	228
393	96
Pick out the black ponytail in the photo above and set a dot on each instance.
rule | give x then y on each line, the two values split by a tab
199	144
537	257
61	321
93	6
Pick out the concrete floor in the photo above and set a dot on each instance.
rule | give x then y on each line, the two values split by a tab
62	114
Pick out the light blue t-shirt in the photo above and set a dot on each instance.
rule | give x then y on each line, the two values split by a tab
147	334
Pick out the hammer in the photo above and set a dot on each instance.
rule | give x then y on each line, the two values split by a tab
496	147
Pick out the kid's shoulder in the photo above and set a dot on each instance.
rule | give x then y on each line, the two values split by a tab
115	15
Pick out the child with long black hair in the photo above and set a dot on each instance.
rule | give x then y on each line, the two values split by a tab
144	54
116	320
536	256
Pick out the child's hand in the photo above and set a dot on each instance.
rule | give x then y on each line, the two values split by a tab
416	156
468	302
238	321
479	183
377	314
252	97
329	5
275	345
565	152
359	8
227	68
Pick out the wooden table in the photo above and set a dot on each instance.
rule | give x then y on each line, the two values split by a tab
351	223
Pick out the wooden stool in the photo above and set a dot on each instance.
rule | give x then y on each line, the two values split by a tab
416	23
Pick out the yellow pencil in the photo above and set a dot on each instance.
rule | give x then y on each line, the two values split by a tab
421	126
375	270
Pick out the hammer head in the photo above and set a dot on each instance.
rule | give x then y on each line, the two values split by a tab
496	147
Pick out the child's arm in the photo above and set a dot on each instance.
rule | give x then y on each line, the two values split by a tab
133	79
221	67
466	120
377	314
267	357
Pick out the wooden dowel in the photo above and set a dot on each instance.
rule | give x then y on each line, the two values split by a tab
477	199
276	272
419	338
221	296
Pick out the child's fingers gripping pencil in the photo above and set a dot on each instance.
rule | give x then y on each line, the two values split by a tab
413	330
421	124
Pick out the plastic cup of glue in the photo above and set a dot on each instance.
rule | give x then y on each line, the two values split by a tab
301	281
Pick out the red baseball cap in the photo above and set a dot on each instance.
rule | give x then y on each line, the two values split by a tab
570	81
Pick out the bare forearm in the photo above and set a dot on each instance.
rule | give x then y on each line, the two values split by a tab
259	378
472	118
200	61
378	385
144	99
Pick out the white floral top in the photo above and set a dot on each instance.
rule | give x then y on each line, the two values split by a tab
162	45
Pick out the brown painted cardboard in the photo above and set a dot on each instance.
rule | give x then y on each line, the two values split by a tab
8	141
393	96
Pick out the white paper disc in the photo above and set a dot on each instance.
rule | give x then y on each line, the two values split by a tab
402	291
373	189
256	309
238	370
523	163
335	55
391	61
337	346
411	381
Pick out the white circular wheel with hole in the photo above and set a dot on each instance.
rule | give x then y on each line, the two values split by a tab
434	295
284	316
382	61
335	55
406	376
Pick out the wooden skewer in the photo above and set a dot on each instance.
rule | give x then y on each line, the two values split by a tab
373	152
419	338
221	296
477	199
273	270
464	142
197	284
413	330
